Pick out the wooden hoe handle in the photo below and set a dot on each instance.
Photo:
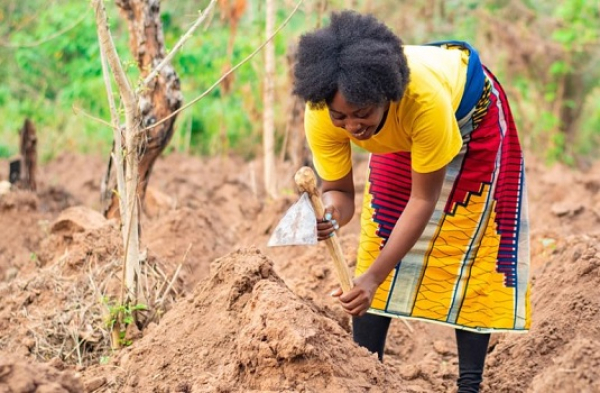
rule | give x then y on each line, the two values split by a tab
307	182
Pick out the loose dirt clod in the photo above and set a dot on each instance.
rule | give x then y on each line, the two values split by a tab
20	376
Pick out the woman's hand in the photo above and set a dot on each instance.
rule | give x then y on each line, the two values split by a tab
357	301
338	199
328	224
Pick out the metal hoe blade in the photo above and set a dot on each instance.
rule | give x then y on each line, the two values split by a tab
297	227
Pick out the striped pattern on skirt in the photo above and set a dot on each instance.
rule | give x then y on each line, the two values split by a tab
470	268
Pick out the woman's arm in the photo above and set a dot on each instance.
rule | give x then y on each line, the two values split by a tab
338	200
425	192
339	195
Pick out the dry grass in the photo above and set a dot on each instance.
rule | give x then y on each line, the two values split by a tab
68	316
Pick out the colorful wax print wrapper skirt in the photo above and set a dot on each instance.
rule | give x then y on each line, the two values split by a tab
470	268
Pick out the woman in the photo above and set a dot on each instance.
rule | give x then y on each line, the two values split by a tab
444	233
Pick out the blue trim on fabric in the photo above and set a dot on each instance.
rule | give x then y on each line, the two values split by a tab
455	326
394	281
475	78
469	258
516	286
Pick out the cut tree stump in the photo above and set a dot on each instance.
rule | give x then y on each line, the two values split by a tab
22	171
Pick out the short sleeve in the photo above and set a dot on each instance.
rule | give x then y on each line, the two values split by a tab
332	154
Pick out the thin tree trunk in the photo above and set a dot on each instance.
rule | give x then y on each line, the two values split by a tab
574	93
161	97
132	131
268	121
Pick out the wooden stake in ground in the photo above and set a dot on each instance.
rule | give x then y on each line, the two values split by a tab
29	155
23	168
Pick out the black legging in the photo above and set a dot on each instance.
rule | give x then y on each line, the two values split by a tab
370	331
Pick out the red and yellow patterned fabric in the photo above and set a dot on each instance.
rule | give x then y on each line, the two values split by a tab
470	268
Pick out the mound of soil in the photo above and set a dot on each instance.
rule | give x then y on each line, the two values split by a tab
559	354
261	319
244	330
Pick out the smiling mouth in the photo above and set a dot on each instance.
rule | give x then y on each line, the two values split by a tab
361	134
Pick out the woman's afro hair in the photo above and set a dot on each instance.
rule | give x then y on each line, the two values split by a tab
356	55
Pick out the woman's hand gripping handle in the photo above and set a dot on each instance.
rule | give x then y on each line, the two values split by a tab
306	182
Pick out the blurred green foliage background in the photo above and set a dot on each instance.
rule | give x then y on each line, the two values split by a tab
545	53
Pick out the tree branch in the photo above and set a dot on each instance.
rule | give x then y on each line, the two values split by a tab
177	46
118	148
108	47
225	75
79	111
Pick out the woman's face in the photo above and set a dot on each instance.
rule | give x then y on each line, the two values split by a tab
359	121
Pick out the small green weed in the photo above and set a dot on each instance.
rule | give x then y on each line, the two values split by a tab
120	316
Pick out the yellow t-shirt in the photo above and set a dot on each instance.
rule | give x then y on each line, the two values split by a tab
422	122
